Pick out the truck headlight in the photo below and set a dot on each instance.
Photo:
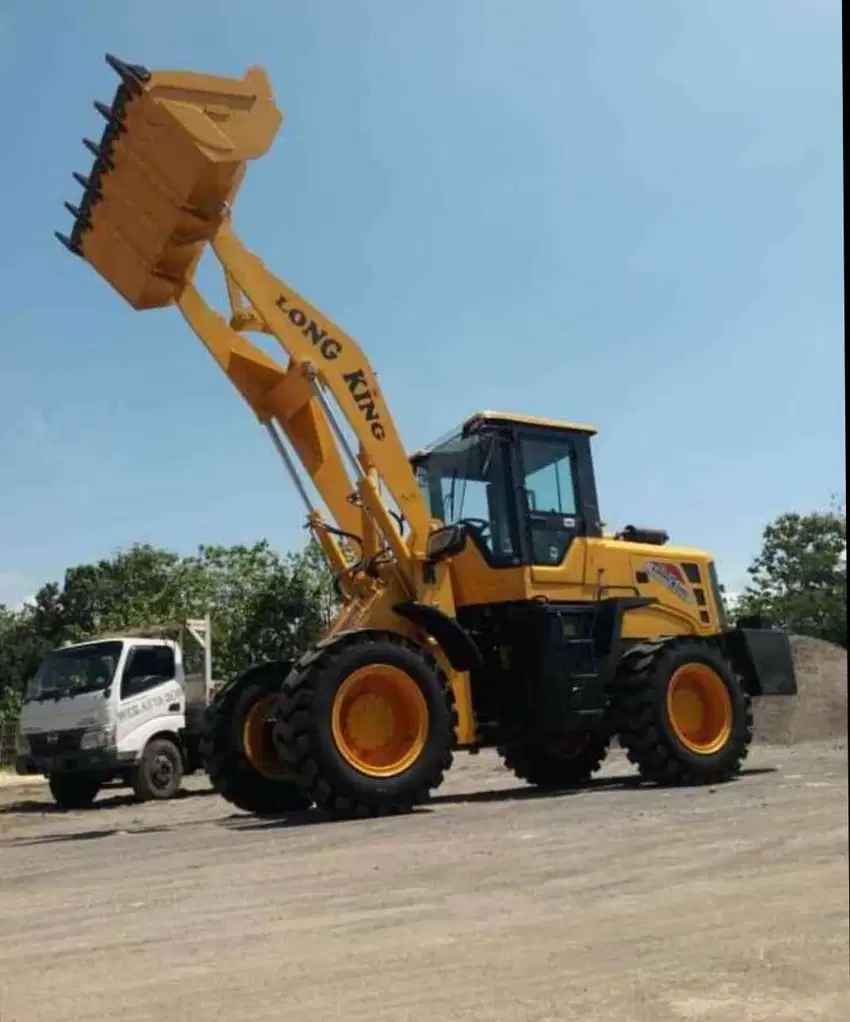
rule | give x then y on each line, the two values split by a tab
98	738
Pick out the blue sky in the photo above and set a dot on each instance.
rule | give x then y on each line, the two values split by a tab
616	212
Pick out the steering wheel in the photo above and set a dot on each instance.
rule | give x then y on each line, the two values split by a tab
480	525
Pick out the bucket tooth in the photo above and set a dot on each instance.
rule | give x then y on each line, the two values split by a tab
84	181
103	158
109	116
133	76
81	214
66	241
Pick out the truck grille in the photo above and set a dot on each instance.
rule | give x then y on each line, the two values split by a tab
51	743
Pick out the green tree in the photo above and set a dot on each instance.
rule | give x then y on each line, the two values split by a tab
799	579
21	649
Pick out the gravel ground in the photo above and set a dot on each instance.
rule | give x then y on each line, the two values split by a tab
620	903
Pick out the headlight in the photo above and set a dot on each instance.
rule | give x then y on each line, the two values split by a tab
100	738
22	745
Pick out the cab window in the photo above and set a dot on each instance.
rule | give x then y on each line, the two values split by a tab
466	479
550	496
147	667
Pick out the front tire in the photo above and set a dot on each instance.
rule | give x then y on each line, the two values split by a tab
75	790
367	725
238	751
682	713
159	773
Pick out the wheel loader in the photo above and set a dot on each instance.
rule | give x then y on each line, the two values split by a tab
483	603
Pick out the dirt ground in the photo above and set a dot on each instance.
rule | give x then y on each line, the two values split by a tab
620	903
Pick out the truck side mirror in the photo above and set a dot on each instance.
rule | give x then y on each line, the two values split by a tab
445	542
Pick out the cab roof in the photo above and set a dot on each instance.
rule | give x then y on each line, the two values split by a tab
512	418
501	419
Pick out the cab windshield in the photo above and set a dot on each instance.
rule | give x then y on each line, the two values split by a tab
465	480
65	673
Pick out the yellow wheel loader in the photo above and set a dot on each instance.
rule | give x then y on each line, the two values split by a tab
483	604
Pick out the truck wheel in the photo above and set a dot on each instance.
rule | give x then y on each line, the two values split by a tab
74	790
682	713
367	724
160	771
555	766
238	751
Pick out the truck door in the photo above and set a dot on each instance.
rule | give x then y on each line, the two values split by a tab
150	697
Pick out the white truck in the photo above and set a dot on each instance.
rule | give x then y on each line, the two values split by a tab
117	707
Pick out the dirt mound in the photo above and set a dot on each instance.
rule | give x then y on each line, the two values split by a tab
819	710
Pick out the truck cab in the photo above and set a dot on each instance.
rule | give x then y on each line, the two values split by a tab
117	707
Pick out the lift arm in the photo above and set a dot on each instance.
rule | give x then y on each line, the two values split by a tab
171	159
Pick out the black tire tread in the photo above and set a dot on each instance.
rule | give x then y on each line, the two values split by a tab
534	764
639	700
294	731
226	767
142	787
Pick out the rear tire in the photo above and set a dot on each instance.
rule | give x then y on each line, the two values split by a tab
570	764
73	790
367	725
159	773
251	778
683	716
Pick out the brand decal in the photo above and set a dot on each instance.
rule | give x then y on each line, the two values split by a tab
359	388
330	349
672	577
156	701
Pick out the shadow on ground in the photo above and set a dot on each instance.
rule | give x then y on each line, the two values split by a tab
243	822
47	807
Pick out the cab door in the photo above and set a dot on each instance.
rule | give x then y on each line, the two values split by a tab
150	696
553	523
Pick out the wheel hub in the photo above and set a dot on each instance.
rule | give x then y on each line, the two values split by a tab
699	709
380	720
162	772
258	739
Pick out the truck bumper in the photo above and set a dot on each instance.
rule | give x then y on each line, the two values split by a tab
764	660
105	761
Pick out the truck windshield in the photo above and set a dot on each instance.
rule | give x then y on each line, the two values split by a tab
465	479
68	672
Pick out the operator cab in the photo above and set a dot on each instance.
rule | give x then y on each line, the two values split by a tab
522	486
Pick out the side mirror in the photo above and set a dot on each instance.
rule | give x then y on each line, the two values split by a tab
446	542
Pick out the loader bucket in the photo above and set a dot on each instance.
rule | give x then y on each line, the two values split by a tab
166	169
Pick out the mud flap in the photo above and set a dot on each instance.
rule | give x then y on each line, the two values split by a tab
764	660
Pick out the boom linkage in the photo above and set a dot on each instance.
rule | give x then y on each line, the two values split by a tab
294	401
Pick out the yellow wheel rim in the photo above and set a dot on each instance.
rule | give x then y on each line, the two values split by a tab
257	740
380	720
699	709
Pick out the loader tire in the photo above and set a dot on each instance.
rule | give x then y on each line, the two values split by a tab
367	725
569	763
237	749
683	716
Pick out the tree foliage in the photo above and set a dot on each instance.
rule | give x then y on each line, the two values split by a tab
262	605
799	578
